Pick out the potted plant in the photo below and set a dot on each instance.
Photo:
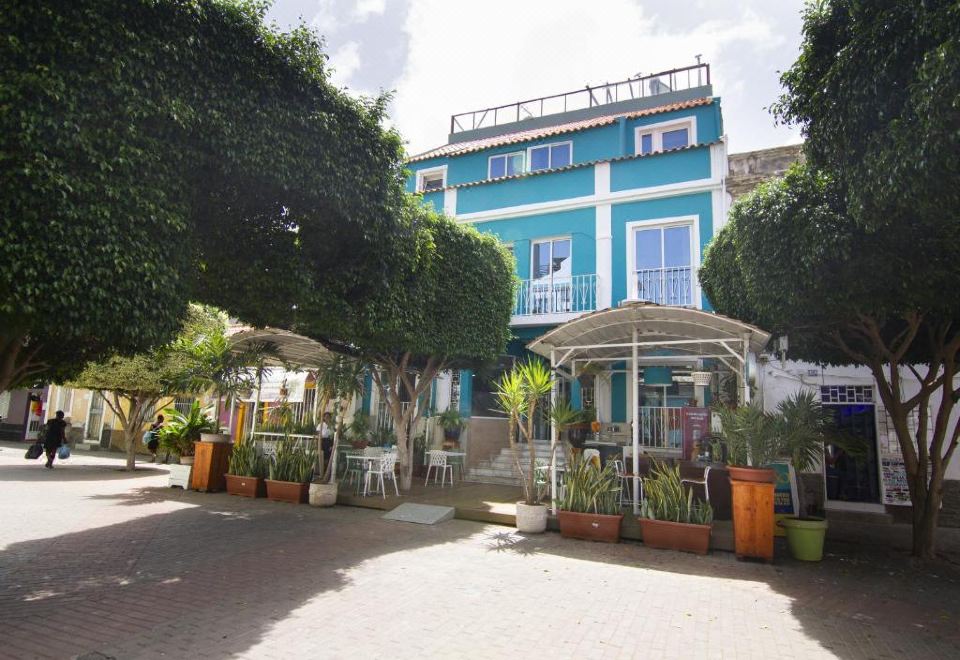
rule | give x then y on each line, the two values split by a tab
246	471
452	423
670	518
290	471
341	379
359	430
183	429
590	504
805	428
519	393
751	440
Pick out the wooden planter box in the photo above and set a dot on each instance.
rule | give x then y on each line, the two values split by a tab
287	491
590	526
245	486
752	498
667	535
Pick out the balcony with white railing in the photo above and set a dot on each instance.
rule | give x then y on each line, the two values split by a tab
554	300
666	286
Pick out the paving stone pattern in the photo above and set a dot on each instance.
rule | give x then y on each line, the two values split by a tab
98	563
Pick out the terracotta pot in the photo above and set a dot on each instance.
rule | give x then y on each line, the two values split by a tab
287	491
244	486
667	535
758	475
590	526
323	494
359	444
531	518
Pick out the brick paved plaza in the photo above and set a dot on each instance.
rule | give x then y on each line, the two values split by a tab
96	563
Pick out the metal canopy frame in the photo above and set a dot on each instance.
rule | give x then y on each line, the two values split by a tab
620	334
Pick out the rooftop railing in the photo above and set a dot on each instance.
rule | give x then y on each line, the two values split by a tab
640	87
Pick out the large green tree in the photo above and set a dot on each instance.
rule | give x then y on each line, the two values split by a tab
158	151
450	309
134	386
791	259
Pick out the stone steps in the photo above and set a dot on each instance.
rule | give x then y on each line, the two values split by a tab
501	469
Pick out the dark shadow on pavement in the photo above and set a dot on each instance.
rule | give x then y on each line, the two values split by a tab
213	576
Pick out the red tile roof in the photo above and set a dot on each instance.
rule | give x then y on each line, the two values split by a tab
459	148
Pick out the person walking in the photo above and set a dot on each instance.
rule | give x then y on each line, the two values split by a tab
326	438
154	443
54	437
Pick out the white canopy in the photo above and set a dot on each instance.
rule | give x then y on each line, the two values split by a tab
292	348
612	334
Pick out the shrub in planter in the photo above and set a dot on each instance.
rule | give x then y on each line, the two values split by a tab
750	440
291	469
590	506
669	516
183	429
246	471
452	423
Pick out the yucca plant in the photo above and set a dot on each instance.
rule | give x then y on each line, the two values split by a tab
293	461
519	393
667	499
588	489
247	461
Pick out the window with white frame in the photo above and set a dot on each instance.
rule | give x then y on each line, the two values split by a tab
665	136
432	179
65	400
550	156
552	270
663	264
505	165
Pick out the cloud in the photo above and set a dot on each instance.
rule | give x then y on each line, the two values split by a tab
344	63
364	9
466	57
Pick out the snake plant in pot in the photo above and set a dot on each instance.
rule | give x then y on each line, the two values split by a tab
590	503
670	518
291	469
248	467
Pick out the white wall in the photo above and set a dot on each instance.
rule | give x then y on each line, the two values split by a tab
776	382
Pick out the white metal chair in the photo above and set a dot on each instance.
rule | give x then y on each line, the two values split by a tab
438	463
381	469
705	482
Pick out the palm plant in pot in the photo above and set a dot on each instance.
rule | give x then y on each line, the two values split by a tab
751	439
590	503
247	469
670	518
291	469
520	392
182	429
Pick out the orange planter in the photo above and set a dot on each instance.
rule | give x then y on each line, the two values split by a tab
244	486
287	491
590	526
667	535
752	498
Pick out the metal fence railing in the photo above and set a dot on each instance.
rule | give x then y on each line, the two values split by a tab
665	286
557	295
639	87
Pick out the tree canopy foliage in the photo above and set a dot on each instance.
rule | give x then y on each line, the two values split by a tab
133	386
450	308
876	90
160	151
855	256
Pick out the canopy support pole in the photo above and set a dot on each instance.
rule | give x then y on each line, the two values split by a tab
635	403
746	380
553	434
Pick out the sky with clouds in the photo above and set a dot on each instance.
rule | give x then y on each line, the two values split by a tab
442	57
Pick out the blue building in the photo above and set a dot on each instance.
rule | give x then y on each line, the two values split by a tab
604	195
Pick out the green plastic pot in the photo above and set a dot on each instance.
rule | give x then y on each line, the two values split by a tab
805	537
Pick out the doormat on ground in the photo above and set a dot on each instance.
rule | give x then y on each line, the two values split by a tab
423	514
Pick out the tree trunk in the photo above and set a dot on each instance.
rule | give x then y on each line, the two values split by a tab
926	515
